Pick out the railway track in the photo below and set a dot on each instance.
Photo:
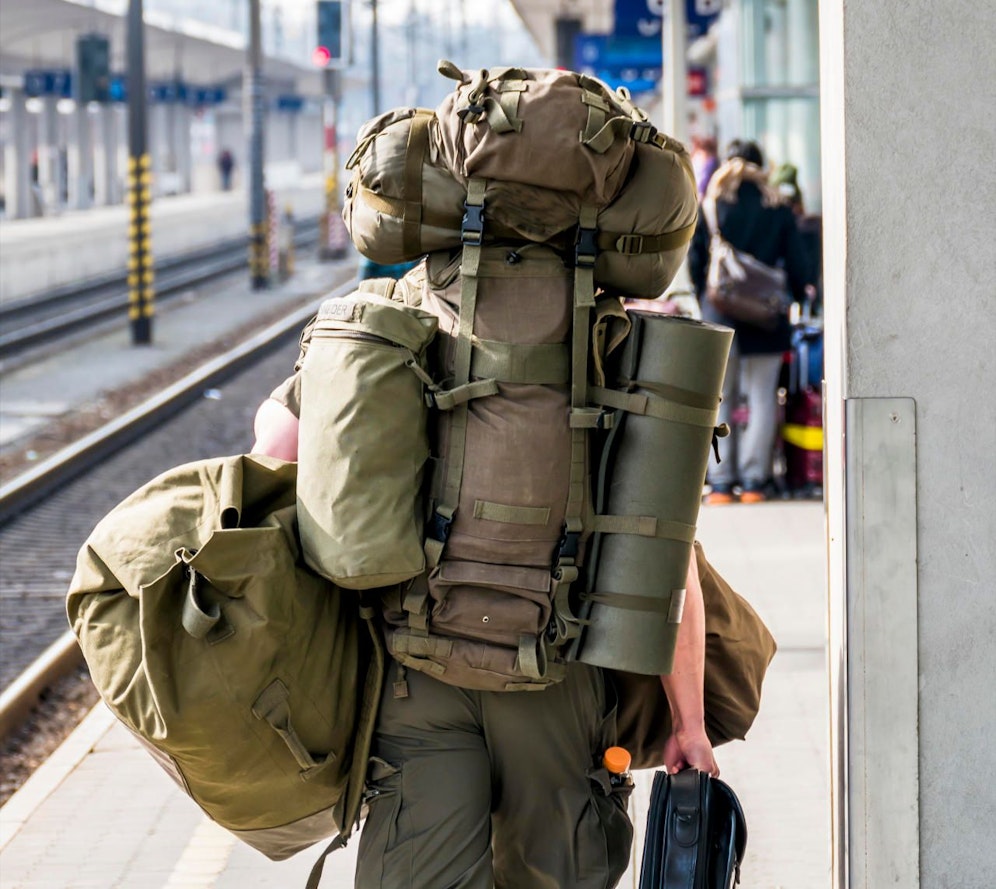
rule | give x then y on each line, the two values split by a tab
47	513
37	321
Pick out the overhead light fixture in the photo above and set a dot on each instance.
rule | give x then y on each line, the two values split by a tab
34	105
65	106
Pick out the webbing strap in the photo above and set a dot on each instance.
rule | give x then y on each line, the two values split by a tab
644	526
654	406
540	363
396	207
418	144
415	602
565	571
473	235
511	515
598	110
632	244
651	604
531	659
448	399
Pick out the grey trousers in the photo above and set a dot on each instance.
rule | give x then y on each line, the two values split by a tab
474	790
745	454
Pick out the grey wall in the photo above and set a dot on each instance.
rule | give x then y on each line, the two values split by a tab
909	190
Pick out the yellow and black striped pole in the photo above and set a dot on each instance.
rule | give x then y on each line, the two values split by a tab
141	276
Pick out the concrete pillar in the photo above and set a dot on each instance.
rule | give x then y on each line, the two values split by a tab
181	148
109	191
48	156
906	114
82	180
19	160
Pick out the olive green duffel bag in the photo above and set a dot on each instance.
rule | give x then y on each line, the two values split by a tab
253	681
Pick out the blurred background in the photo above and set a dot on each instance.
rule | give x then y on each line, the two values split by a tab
739	68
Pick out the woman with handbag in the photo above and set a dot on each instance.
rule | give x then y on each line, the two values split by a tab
748	265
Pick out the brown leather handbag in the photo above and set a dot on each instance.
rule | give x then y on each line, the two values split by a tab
739	285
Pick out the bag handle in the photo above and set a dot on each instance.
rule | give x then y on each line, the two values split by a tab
273	707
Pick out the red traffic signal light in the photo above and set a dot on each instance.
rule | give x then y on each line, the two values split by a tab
321	56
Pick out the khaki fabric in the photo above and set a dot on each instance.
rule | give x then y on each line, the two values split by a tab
477	618
253	681
643	235
402	201
739	648
544	144
487	790
363	440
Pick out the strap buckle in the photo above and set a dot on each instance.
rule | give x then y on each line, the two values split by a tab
642	131
585	247
570	544
472	225
629	245
439	527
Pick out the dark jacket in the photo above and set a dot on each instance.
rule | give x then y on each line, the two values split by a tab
769	234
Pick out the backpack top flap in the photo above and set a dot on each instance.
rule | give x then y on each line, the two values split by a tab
542	127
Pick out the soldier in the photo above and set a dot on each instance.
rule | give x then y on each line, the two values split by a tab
474	789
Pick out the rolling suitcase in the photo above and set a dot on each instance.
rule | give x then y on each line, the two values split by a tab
696	833
802	432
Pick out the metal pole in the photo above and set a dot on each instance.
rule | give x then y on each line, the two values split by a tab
331	230
141	277
374	60
259	253
675	80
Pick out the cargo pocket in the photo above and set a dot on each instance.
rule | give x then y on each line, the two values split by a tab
379	839
604	836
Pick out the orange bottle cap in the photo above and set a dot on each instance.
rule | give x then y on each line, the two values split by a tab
617	760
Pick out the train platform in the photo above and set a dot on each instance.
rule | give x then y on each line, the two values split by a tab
100	813
77	246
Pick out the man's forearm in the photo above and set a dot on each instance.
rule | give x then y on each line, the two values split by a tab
683	685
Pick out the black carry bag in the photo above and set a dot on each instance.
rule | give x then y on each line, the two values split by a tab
696	833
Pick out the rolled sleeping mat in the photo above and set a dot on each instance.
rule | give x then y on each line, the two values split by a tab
649	488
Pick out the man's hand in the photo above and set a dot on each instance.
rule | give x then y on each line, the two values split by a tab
690	749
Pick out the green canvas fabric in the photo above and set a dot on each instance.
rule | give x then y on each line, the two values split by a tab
251	679
363	440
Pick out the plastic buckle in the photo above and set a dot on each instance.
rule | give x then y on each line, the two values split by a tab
628	245
472	225
439	527
642	131
606	420
570	544
585	248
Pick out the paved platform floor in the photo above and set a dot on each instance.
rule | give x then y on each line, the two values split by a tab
101	814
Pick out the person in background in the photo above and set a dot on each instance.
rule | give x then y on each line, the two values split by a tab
786	179
704	161
226	164
753	217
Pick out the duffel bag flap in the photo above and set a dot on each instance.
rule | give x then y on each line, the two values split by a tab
402	201
250	678
738	649
363	442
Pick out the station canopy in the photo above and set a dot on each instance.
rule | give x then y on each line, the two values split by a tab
42	34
